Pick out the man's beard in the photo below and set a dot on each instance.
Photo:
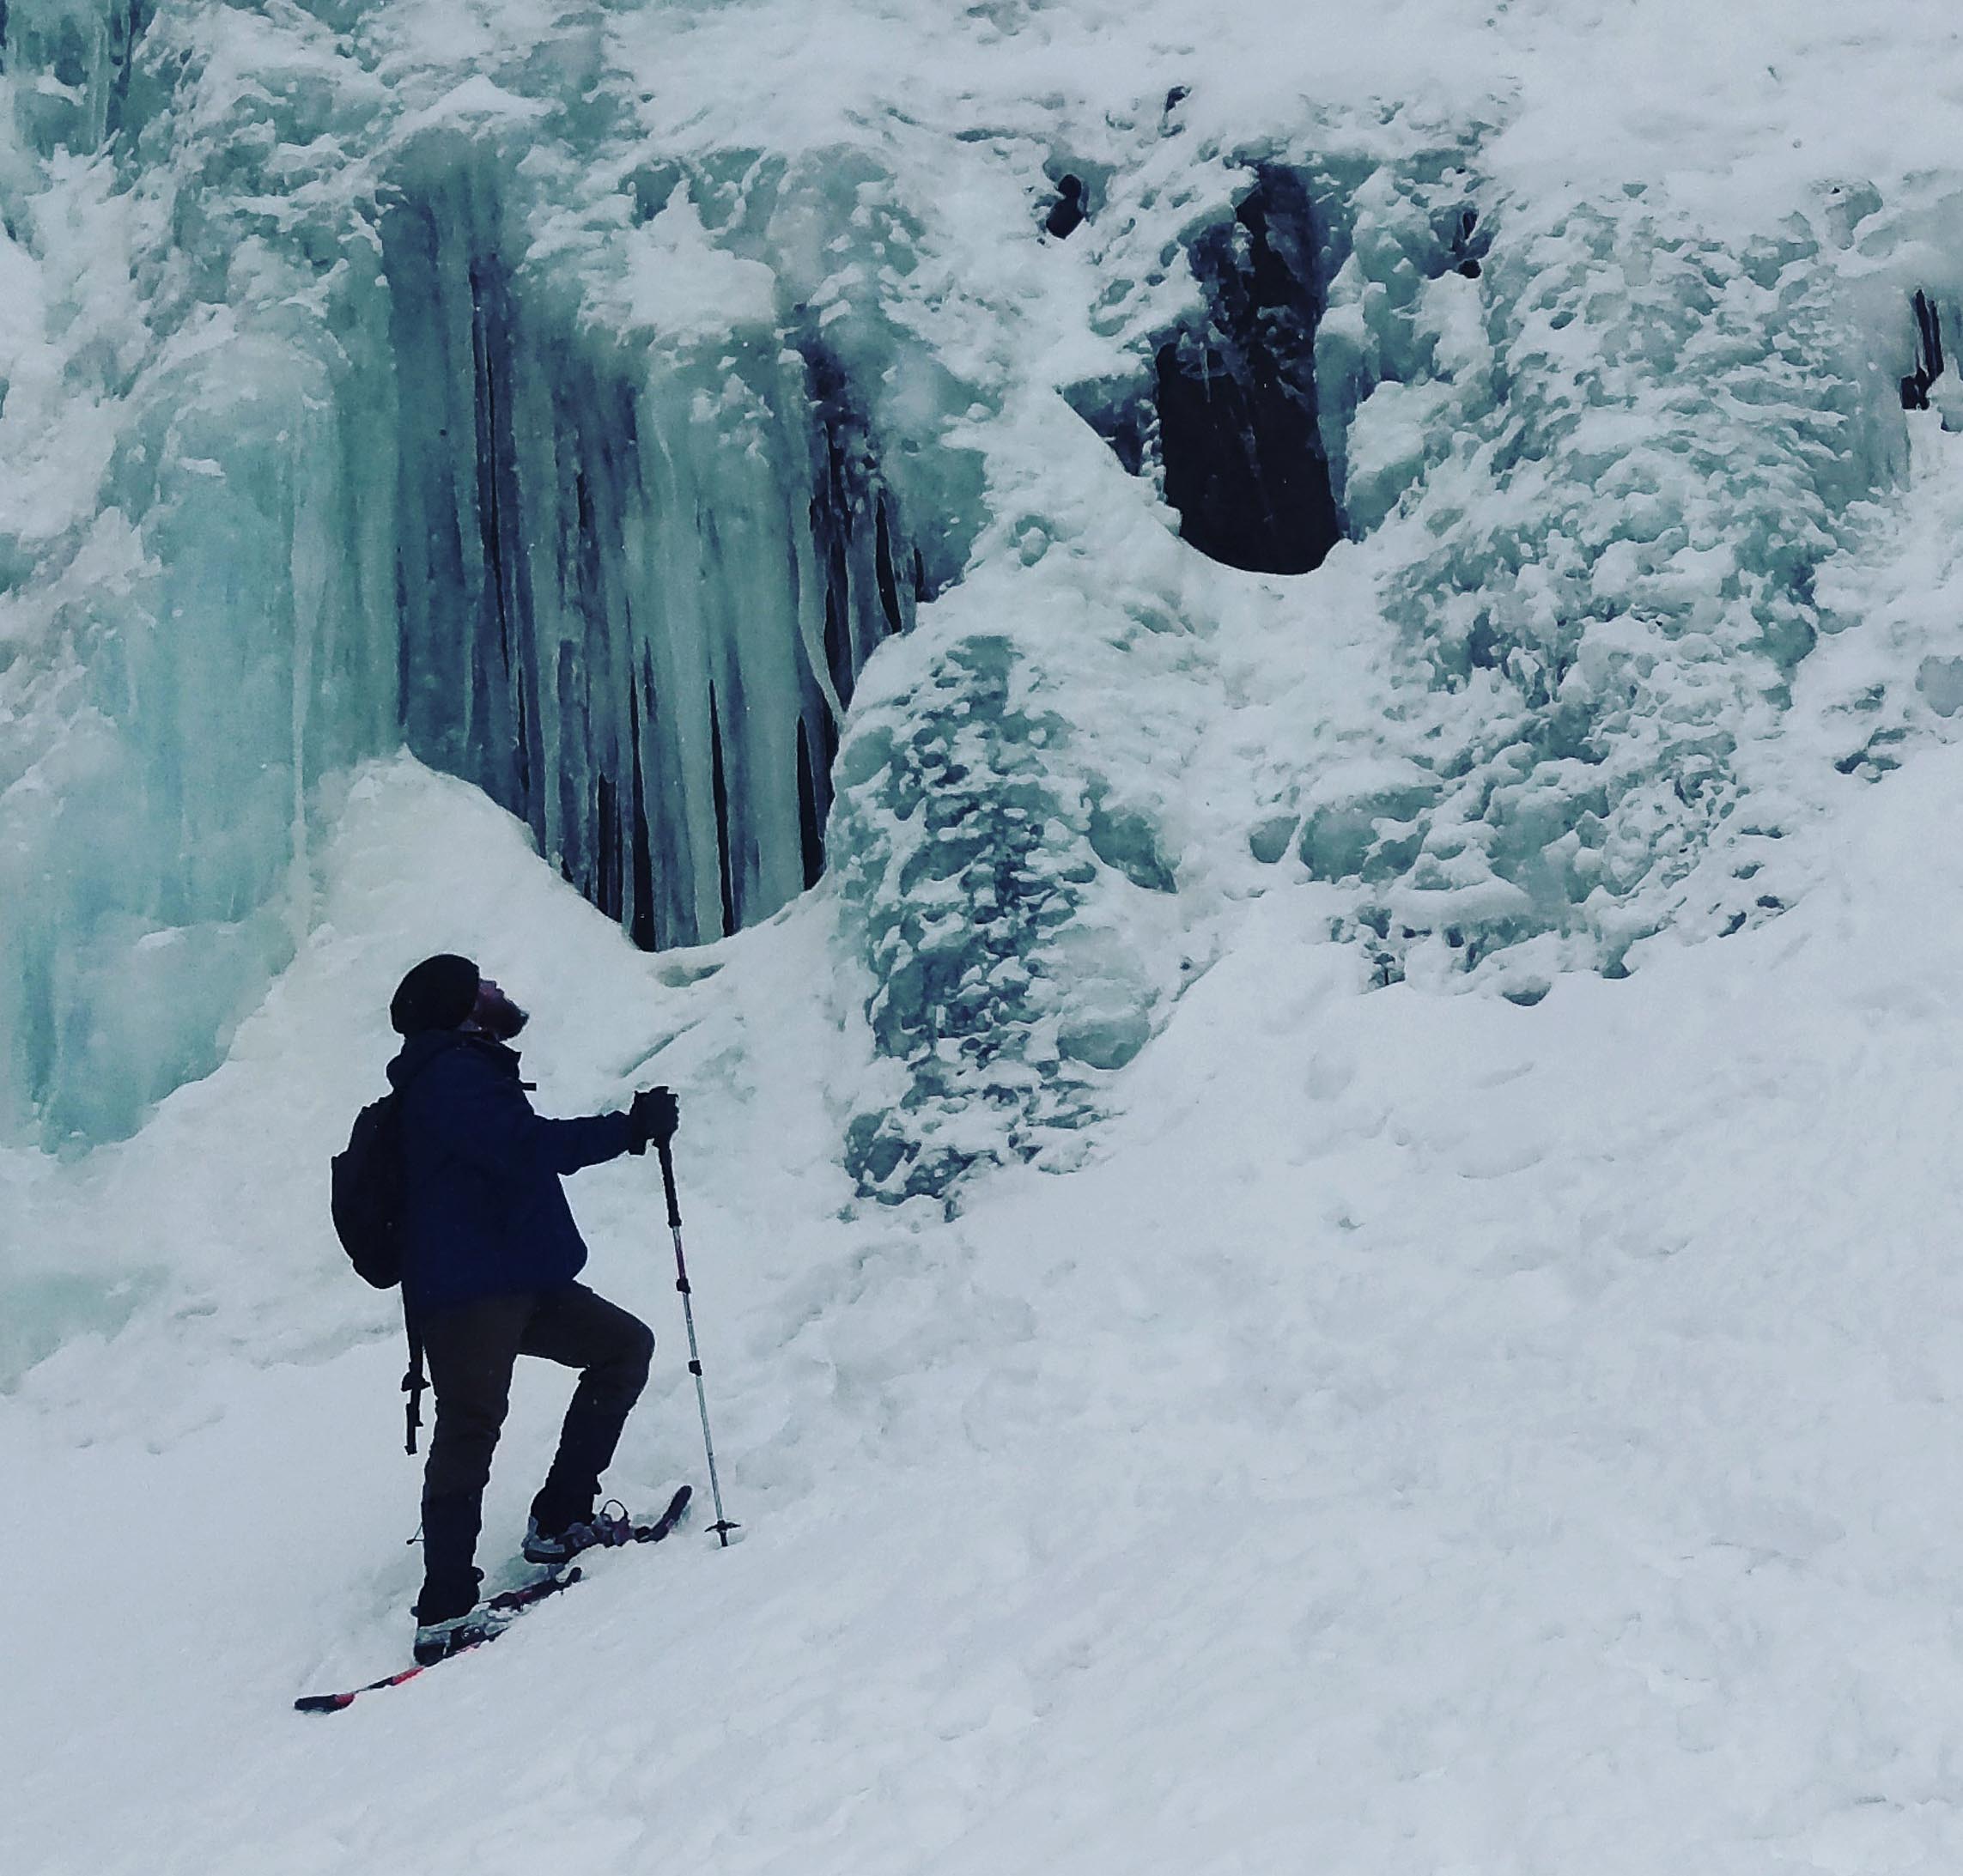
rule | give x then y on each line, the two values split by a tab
498	1017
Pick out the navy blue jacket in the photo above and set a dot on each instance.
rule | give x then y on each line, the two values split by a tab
486	1215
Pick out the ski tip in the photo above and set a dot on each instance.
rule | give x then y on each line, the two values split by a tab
678	1510
322	1703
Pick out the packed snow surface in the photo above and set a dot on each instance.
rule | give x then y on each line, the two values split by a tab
1434	1433
1326	1244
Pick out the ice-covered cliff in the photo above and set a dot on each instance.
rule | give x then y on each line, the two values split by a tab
1350	474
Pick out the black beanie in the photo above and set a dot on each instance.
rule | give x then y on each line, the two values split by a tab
438	994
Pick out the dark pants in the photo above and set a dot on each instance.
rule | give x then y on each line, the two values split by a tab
470	1351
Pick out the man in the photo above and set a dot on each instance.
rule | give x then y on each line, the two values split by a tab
490	1255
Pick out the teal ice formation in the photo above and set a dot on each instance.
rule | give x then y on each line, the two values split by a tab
730	511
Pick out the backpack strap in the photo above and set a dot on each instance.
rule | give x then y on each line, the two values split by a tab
413	1383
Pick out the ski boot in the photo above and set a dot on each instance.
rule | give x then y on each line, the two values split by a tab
438	1641
449	1617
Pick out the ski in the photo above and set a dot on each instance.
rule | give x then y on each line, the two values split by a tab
511	1603
678	1508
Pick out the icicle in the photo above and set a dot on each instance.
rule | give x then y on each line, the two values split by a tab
313	494
811	820
721	818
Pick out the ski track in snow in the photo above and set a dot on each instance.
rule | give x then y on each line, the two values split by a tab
1427	1437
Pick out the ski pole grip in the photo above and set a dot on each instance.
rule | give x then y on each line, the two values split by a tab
668	1186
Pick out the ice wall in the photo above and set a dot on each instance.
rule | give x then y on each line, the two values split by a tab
964	862
508	381
383	424
1609	476
1629	450
635	591
1600	455
152	669
71	63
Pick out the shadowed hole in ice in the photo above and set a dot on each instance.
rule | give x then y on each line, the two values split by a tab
1230	422
1237	424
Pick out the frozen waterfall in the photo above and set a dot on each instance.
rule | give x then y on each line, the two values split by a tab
633	602
378	466
1321	505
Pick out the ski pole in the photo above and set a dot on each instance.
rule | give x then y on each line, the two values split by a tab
722	1526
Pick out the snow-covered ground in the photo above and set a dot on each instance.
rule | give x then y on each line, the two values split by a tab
1392	1432
1434	1435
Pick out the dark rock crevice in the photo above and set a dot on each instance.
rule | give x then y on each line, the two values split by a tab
1237	426
1929	360
1067	212
1228	422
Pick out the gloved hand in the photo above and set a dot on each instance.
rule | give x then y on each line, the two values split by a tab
653	1118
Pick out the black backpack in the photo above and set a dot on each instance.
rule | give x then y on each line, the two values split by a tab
367	1192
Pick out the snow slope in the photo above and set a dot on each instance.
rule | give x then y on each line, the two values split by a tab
1435	1435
